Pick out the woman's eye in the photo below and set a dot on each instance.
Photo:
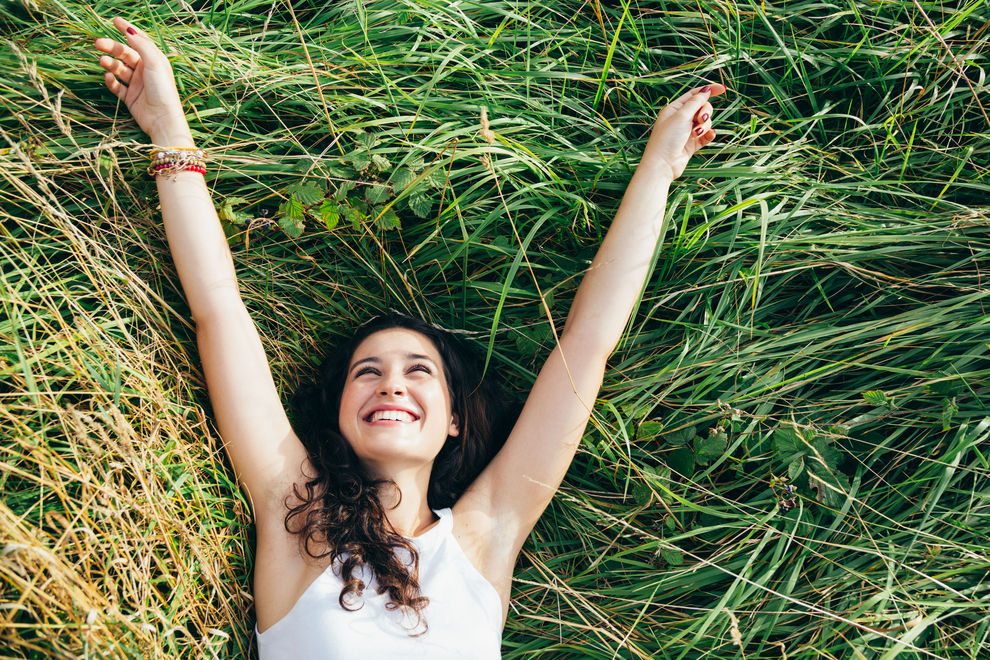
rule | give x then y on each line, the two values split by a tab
366	370
421	367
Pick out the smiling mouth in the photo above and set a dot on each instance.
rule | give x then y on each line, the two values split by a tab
391	416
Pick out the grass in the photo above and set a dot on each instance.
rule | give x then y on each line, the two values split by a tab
818	311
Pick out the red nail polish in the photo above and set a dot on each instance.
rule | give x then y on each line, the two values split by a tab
706	89
699	131
704	118
131	30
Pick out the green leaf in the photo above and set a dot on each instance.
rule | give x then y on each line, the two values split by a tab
365	139
876	398
292	209
712	446
828	454
420	204
104	164
436	177
681	461
827	487
343	188
949	410
227	212
354	215
649	430
786	442
402	178
388	220
291	226
307	192
338	171
642	494
672	556
381	163
681	437
329	214
376	194
360	160
795	468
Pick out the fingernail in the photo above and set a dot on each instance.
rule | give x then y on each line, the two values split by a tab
131	30
699	131
706	89
704	118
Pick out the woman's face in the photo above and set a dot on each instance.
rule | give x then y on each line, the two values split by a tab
395	408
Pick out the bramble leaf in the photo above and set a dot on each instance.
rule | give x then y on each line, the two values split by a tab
360	160
877	398
365	139
292	209
227	212
436	177
672	556
380	162
649	430
343	188
376	194
420	204
388	220
330	214
291	226
681	437
307	192
402	178
681	461
710	447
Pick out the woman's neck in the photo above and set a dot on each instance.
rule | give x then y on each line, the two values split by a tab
406	505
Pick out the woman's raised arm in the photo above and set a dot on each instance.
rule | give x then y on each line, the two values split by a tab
265	453
502	506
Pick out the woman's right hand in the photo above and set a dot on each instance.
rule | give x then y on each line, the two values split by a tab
140	75
681	129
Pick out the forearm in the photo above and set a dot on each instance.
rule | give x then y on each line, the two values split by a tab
195	237
612	284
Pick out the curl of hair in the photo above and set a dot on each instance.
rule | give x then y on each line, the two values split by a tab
338	513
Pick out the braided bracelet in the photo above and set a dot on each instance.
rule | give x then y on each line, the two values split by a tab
169	160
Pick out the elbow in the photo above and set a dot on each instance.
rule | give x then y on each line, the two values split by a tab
219	303
586	346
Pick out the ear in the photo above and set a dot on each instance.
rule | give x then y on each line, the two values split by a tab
455	426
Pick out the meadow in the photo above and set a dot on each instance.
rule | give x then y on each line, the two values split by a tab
789	458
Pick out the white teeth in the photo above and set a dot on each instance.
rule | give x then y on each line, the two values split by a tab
391	415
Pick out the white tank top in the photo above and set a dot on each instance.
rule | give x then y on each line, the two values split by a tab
463	617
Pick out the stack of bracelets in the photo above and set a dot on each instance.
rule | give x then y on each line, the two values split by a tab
169	160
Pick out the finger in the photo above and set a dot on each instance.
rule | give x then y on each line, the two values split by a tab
126	55
701	129
139	41
704	114
692	106
690	98
114	85
117	68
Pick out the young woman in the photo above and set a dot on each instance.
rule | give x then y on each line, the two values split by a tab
359	564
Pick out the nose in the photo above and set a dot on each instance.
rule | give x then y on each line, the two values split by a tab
393	385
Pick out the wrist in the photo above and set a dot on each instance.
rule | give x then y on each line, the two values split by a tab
176	135
657	170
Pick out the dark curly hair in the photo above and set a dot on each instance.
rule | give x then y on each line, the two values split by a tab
338	512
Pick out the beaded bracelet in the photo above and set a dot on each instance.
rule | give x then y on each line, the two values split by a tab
169	160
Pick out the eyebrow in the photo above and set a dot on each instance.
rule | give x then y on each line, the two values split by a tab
375	360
